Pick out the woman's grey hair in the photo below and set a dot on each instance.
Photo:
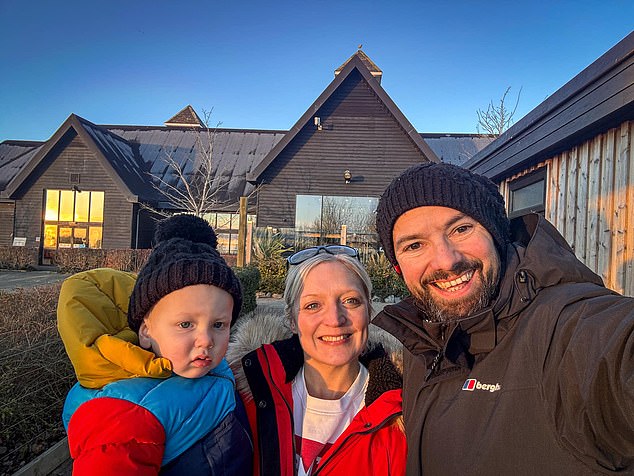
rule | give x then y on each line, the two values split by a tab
297	276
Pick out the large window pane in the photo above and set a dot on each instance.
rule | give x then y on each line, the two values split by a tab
65	237
52	205
82	200
224	221
50	236
80	237
66	209
94	236
223	243
96	207
308	213
357	213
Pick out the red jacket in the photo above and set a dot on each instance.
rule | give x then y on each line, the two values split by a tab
373	443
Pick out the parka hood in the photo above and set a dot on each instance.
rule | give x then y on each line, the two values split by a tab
547	256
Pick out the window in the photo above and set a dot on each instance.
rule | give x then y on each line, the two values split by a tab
73	219
528	194
226	227
320	219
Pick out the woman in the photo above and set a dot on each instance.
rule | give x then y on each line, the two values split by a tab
326	400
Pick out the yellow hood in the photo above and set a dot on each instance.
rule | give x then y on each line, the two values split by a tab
92	319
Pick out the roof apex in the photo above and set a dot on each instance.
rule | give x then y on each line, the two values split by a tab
374	70
186	117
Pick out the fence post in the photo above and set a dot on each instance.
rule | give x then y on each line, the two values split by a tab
344	235
242	232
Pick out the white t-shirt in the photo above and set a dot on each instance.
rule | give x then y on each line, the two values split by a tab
318	423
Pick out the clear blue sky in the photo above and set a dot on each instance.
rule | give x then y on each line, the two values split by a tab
260	65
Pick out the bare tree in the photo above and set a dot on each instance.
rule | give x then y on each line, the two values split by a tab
194	183
497	118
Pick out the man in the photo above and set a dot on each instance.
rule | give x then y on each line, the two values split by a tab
517	359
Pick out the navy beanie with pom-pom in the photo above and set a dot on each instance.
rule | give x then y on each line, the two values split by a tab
184	254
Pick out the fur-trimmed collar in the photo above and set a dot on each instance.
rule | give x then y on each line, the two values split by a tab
383	357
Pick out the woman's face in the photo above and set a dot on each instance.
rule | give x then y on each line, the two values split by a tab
333	317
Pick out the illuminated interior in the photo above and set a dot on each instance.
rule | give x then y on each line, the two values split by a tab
73	219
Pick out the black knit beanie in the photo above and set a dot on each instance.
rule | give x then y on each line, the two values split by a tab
443	185
184	255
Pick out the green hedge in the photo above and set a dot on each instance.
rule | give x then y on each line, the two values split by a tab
249	276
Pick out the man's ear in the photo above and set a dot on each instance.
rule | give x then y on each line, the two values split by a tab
145	340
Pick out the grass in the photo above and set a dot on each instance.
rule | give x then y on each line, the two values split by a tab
35	375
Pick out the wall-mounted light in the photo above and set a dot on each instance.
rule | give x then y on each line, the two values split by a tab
318	123
76	189
347	176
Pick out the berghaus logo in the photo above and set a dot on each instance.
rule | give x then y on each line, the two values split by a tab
472	384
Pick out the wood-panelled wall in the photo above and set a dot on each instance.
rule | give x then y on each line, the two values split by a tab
7	212
72	156
590	199
359	134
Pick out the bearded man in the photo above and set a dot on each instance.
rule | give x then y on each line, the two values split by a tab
517	359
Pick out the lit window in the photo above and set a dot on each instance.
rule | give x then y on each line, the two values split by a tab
73	219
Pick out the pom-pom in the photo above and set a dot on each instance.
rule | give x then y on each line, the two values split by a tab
187	227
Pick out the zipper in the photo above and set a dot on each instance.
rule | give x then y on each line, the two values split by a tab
322	464
290	412
434	365
439	356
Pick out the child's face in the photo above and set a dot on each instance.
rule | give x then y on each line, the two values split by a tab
190	327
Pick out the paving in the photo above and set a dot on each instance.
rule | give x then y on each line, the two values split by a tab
10	279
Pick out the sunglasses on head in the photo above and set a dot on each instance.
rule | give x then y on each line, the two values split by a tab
303	255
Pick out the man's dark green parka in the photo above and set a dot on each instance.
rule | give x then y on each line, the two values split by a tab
541	382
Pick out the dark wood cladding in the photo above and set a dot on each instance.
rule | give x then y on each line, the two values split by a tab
358	134
145	227
73	157
7	212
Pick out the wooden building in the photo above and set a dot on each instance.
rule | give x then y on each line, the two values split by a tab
572	159
98	186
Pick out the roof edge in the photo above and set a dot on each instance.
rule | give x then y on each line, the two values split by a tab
607	62
354	63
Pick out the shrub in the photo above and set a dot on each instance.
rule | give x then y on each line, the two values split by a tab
126	260
268	254
76	260
36	375
249	276
385	281
17	257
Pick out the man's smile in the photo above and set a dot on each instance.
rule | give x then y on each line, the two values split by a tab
455	284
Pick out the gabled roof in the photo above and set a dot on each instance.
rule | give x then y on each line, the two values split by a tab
115	154
186	117
354	63
598	98
133	156
13	155
235	153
